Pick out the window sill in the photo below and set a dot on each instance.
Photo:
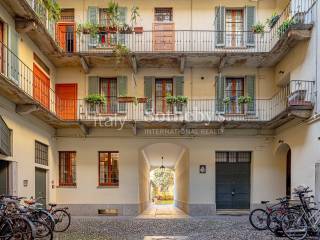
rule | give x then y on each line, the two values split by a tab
66	186
102	187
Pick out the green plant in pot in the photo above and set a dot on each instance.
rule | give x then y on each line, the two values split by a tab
273	20
258	28
114	16
181	100
54	10
135	15
95	99
283	28
170	100
119	52
244	101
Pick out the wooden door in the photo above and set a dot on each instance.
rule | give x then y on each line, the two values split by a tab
66	36
163	37
41	185
66	101
164	87
41	86
1	47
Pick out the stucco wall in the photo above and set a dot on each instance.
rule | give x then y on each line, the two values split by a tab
25	131
144	181
181	181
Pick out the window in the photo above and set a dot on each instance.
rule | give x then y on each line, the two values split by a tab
164	87
234	28
108	88
67	168
41	153
234	89
44	67
233	157
5	139
67	15
163	15
103	17
108	168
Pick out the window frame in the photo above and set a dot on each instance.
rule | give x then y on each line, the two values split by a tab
163	8
108	183
73	175
42	161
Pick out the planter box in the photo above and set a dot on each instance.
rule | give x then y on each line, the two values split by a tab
138	30
142	100
126	99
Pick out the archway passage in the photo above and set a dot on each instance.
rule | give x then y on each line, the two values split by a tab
164	178
283	155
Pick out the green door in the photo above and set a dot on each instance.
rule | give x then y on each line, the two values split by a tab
4	172
41	185
233	180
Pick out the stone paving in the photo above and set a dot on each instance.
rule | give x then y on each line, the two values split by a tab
164	224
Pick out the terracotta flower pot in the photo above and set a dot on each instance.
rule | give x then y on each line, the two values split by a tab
126	99
138	30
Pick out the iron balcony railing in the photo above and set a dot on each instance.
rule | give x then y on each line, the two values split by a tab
37	88
298	12
297	93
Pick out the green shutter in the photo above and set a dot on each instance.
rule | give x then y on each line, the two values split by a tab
250	84
93	17
148	86
220	26
220	88
250	20
13	56
122	84
93	84
179	85
123	19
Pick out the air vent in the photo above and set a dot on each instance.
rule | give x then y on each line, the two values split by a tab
108	212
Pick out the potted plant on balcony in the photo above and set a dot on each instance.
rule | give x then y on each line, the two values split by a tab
244	101
126	99
119	52
283	28
54	10
134	17
125	28
170	100
273	20
181	102
94	101
258	28
114	16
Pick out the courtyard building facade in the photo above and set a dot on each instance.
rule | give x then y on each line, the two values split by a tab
93	99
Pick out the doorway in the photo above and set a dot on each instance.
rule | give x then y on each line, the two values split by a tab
66	100
66	36
233	171
41	185
4	177
288	173
164	87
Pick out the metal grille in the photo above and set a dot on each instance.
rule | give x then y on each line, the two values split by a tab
108	168
41	153
5	138
67	15
163	15
233	157
67	168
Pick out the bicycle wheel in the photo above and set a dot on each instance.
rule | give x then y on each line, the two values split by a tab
43	231
22	229
46	217
294	226
62	220
274	221
258	219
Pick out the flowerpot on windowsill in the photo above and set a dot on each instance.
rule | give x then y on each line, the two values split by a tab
138	30
126	99
112	29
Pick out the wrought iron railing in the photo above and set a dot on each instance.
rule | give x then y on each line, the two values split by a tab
297	93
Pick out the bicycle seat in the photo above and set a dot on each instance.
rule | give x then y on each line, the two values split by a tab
264	202
29	202
52	204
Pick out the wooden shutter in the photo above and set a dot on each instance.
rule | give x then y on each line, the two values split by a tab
250	88
14	61
250	20
178	86
220	87
93	85
122	84
220	23
123	19
93	17
148	89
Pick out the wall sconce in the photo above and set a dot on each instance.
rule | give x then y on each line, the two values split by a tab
281	141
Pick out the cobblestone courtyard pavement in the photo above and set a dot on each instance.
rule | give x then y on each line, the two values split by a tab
217	227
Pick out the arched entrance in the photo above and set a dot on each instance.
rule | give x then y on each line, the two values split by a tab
167	196
283	154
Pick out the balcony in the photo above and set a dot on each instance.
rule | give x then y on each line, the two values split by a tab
32	18
21	85
178	48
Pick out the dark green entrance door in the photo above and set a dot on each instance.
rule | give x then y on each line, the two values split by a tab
41	184
233	180
4	176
